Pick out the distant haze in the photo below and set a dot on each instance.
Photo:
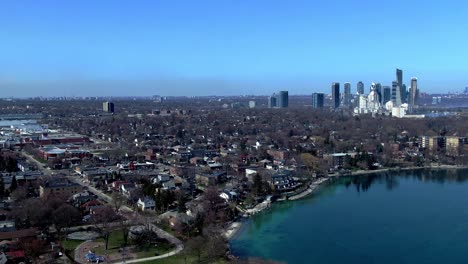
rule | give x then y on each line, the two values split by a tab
185	87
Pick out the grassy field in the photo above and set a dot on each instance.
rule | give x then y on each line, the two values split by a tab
116	242
70	244
160	249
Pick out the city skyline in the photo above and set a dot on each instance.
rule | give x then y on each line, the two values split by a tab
93	48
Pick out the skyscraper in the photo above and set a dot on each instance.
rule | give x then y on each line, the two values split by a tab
335	95
360	87
399	77
272	101
387	94
396	97
412	93
378	90
108	107
317	100
283	99
280	100
404	94
347	94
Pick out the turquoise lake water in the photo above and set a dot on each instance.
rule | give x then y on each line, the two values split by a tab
407	217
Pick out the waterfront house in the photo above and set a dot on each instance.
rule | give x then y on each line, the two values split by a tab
282	181
229	195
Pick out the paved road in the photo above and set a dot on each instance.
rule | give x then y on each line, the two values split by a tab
163	234
128	212
40	166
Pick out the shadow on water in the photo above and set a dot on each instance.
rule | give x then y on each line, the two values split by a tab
279	232
363	183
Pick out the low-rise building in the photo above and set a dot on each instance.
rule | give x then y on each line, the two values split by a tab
283	181
278	154
59	187
454	145
229	195
210	179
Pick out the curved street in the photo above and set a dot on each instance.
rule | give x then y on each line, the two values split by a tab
142	219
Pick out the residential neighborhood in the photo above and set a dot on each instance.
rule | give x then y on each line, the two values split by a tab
187	172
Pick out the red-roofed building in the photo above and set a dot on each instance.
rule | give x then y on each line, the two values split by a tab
16	254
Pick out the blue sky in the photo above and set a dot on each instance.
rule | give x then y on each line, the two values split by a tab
203	47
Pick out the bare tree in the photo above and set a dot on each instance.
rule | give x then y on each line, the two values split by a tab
125	225
117	201
19	195
64	217
195	245
102	219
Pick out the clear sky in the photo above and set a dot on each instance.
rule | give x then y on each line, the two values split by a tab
226	47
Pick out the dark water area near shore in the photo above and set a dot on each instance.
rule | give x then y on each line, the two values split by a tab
416	216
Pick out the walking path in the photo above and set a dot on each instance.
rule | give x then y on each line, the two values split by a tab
312	187
84	247
158	231
259	207
162	234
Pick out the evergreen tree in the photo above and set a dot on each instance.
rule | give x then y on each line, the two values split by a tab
2	188
14	184
2	163
11	164
257	187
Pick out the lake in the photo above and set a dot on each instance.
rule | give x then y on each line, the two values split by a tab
405	217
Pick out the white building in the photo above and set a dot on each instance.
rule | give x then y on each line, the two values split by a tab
370	103
146	204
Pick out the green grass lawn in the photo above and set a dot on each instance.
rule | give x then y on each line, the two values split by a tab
159	249
71	244
116	242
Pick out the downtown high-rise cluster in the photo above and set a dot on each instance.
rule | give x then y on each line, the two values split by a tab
383	99
395	99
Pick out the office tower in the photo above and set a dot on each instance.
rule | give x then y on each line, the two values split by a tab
158	98
272	103
283	99
252	104
347	94
399	77
396	97
335	95
387	94
317	100
412	93
108	107
360	87
404	94
378	90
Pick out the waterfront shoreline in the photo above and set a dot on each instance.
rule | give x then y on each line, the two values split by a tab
397	169
235	226
371	200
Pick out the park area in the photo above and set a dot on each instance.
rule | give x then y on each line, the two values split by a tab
138	247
